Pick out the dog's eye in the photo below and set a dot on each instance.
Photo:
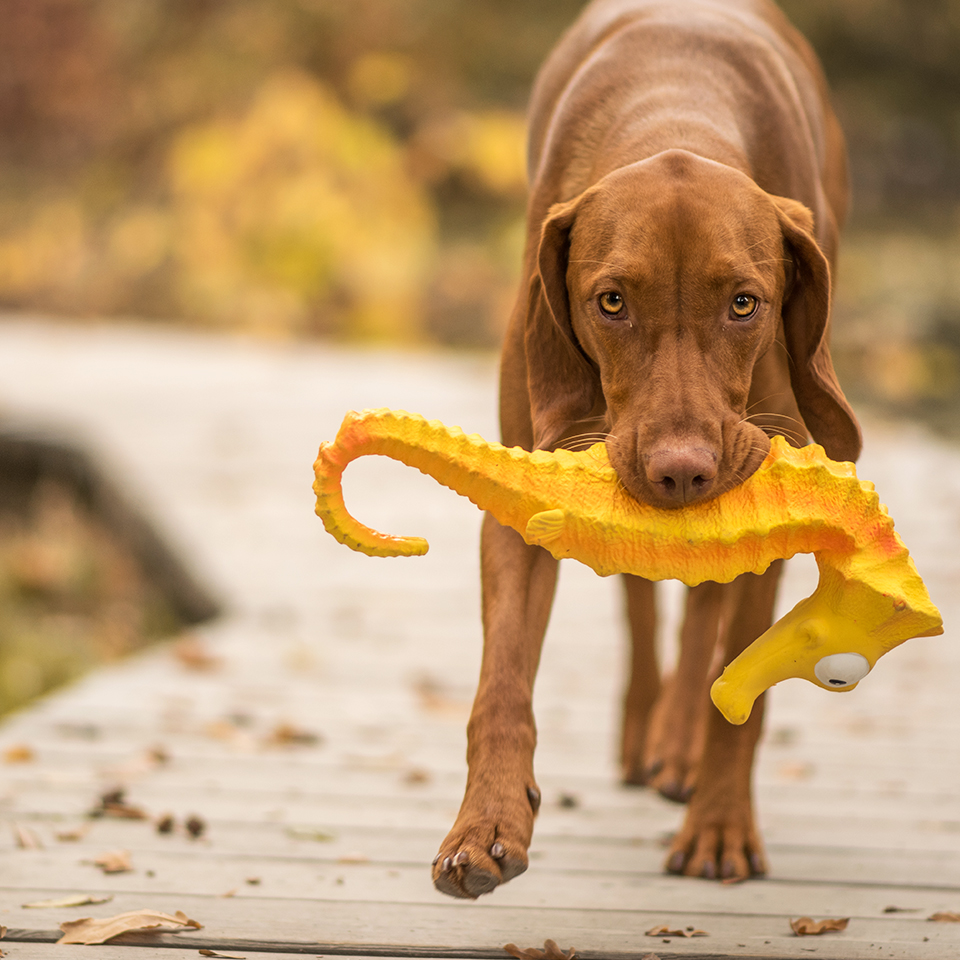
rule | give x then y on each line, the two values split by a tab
744	306
611	303
841	670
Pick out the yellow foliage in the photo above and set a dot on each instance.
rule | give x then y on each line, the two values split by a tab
489	145
296	210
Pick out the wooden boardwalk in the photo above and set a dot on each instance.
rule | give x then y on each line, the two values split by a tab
323	847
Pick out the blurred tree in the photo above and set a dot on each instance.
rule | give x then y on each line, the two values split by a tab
355	167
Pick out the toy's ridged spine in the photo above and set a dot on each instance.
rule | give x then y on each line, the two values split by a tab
469	465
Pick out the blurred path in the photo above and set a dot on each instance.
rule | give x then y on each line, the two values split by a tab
312	845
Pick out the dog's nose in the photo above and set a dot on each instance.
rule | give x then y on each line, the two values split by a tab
682	474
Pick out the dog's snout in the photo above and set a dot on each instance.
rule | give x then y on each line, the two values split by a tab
682	474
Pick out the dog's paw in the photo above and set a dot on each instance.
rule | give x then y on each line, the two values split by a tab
674	743
480	853
722	845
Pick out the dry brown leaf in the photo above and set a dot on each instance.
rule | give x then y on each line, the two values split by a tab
945	916
665	931
808	927
3	931
77	900
73	835
308	833
88	930
192	654
416	776
114	861
18	753
195	826
354	857
222	956
550	951
286	734
26	839
113	803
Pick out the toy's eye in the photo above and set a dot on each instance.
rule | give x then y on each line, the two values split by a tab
744	306
611	303
841	670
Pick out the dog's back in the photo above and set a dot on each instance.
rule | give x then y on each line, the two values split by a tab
622	85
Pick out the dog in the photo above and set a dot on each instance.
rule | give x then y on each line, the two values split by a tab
687	186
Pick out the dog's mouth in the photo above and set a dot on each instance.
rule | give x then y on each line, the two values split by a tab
676	474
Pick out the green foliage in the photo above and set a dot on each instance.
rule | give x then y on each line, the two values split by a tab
70	598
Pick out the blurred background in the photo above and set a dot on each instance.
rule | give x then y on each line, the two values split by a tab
354	170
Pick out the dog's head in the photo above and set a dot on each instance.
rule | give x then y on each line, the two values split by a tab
657	292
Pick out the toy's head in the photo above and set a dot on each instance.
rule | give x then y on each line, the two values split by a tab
833	639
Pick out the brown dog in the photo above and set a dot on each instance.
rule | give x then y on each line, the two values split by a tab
688	180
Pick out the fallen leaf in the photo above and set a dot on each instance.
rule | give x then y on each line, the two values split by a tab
222	956
665	931
26	839
113	803
307	833
416	776
286	734
798	770
229	894
550	951
808	927
18	753
3	931
353	858
91	931
77	900
195	826
901	909
253	881
945	916
192	654
435	698
73	835
114	861
144	762
166	823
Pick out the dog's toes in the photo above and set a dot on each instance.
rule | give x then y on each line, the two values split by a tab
469	876
730	852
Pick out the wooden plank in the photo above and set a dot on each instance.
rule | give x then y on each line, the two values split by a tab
857	793
482	928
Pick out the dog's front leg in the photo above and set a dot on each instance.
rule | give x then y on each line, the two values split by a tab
488	843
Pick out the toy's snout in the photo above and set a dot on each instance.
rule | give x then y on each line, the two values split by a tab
812	642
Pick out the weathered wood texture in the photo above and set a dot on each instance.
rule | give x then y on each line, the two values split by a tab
324	848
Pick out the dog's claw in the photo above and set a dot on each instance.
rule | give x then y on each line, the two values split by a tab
675	863
435	860
533	795
447	863
708	871
497	851
461	858
757	865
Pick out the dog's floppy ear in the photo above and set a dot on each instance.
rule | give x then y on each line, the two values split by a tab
806	318
564	386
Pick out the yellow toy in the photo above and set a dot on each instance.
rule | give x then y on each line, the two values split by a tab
870	597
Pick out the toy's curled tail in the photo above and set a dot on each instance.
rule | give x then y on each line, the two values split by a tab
870	597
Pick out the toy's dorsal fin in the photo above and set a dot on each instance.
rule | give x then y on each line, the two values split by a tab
545	527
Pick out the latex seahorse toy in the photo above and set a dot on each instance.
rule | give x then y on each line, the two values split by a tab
870	597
